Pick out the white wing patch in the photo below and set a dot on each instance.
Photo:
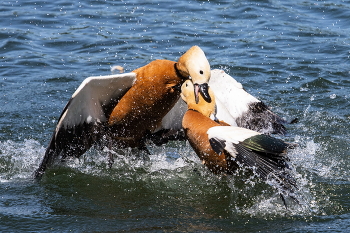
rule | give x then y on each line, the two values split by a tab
231	136
94	92
231	99
230	133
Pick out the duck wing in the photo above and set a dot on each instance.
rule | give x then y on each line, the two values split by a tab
263	154
239	108
83	118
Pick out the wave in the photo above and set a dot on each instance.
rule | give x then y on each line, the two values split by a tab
176	167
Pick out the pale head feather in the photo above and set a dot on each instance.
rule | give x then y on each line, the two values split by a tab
195	64
188	95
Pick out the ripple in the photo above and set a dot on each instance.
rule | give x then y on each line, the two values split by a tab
293	55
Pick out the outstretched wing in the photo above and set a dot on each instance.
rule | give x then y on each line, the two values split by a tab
238	108
82	119
262	153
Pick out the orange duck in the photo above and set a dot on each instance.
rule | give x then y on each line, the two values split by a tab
223	148
124	108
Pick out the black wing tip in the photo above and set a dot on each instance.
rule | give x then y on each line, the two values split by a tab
217	145
48	159
294	121
287	187
38	174
293	198
260	118
272	168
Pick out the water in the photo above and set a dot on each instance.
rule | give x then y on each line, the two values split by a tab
294	55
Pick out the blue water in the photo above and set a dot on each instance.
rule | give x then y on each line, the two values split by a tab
293	55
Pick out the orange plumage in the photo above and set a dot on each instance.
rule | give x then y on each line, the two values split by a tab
196	123
196	126
222	147
142	108
124	108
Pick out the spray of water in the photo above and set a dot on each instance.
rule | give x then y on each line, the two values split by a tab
173	164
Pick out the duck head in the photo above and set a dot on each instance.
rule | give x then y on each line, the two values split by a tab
194	65
201	105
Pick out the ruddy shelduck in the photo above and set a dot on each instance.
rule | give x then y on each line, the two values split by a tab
236	107
124	108
223	148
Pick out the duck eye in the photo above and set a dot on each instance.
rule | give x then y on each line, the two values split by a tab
201	71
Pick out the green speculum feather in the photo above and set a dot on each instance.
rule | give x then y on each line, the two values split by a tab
265	143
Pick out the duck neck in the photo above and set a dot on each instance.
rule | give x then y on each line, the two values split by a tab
202	110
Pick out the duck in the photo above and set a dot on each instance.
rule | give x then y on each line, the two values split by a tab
124	108
235	106
224	148
132	109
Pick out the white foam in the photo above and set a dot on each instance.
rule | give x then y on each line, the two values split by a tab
18	160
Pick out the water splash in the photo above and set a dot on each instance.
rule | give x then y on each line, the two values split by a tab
18	160
254	198
177	167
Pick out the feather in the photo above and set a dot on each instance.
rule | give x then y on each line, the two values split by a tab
217	145
269	167
265	143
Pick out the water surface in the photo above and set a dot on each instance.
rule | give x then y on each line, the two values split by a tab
293	55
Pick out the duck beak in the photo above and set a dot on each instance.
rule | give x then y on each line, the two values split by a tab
203	89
